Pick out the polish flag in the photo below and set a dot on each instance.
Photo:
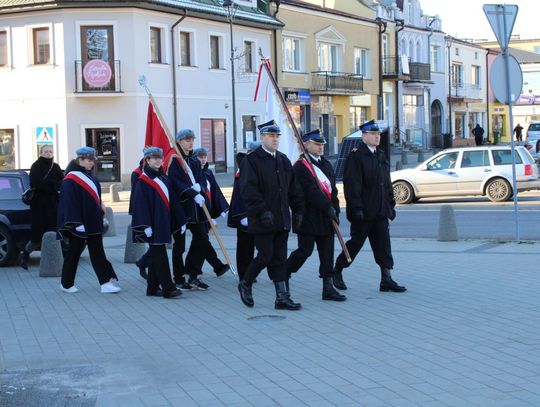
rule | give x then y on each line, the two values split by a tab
156	135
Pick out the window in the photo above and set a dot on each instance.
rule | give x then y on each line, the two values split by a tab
476	55
477	158
358	115
185	48
7	149
504	157
155	45
248	56
457	75
215	54
291	54
3	48
361	62
457	51
443	162
435	58
41	45
476	77
328	57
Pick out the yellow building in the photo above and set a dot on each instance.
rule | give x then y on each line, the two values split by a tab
328	65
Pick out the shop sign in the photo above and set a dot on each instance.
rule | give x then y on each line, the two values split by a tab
300	96
97	73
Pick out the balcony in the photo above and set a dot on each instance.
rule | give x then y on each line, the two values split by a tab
97	77
419	72
336	83
466	93
393	68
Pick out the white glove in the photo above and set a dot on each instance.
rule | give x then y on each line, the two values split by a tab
148	232
223	214
183	229
213	222
80	228
199	200
244	221
196	187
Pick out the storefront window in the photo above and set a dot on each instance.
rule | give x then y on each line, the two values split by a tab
7	149
358	115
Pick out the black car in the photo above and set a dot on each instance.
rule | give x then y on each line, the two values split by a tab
15	216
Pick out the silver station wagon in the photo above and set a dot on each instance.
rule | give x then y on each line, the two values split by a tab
485	170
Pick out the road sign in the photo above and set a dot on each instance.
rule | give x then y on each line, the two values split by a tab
44	135
497	79
496	15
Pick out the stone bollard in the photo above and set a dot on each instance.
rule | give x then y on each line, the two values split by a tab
51	261
113	191
398	165
109	215
133	251
447	225
404	160
420	156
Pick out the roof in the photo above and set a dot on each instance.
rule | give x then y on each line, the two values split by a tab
521	55
211	9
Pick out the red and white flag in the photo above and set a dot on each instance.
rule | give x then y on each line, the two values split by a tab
156	135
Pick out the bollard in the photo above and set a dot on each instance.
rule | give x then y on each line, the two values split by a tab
404	160
447	225
109	215
398	165
51	261
133	251
420	156
113	191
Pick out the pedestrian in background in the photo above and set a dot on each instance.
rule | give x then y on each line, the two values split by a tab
478	133
80	219
370	204
45	179
518	131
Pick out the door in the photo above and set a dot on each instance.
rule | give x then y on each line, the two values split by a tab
324	122
249	130
473	169
97	57
107	145
439	176
213	139
436	124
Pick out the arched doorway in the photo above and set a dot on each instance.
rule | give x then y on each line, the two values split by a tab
436	124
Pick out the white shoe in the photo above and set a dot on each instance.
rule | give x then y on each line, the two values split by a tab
70	290
109	288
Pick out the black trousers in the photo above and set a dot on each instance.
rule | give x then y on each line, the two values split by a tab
102	267
272	254
379	239
159	272
144	261
306	243
196	253
245	249
212	258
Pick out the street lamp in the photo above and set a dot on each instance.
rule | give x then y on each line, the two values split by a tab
449	41
231	7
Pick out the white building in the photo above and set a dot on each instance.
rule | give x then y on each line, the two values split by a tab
69	74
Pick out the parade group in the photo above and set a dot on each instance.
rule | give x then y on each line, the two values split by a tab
270	197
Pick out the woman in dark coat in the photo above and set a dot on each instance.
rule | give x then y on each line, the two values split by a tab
45	179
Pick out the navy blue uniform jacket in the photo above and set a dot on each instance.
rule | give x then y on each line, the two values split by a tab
218	203
237	211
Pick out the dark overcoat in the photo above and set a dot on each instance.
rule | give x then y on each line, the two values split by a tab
218	203
237	211
135	174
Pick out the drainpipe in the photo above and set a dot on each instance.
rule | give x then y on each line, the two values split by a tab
488	117
173	61
400	25
430	25
275	45
380	104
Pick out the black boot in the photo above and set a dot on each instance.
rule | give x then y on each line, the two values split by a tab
23	259
221	270
338	278
245	293
142	270
387	284
329	292
283	299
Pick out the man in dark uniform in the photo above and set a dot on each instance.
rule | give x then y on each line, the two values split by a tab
268	189
370	203
152	222
188	192
322	206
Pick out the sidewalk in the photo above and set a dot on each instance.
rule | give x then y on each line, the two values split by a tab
464	334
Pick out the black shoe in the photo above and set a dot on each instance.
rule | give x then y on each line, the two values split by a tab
245	294
387	284
338	279
173	293
23	259
222	270
198	284
283	299
156	293
142	270
329	293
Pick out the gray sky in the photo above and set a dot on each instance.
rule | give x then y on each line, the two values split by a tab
466	18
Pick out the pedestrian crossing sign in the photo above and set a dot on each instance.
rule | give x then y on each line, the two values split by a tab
44	135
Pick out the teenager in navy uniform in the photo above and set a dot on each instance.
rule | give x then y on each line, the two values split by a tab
151	222
144	262
237	218
80	219
190	196
370	204
322	207
217	207
269	189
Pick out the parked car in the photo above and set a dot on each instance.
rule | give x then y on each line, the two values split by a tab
15	216
483	170
532	143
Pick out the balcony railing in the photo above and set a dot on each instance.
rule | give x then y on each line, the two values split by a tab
419	71
97	76
462	90
337	83
392	67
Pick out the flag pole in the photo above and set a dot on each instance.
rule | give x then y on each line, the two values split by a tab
264	64
184	165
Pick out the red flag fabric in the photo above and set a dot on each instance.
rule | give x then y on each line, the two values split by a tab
156	135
